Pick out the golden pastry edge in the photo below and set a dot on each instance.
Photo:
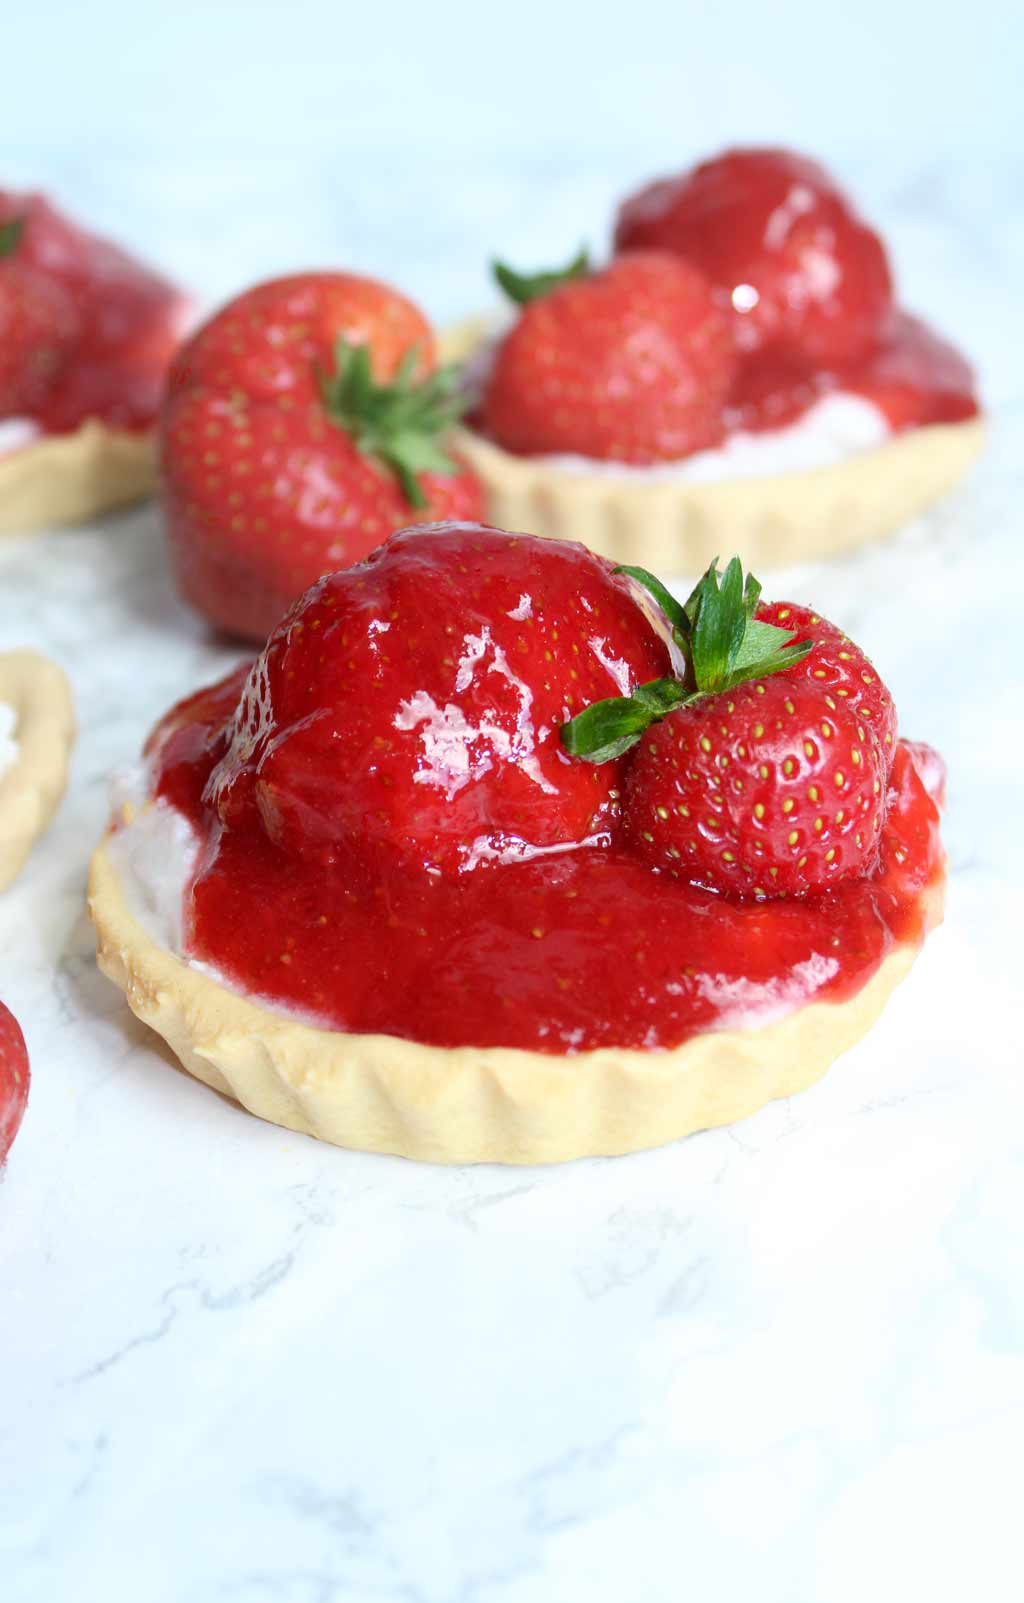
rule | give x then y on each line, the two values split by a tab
64	479
31	790
380	1093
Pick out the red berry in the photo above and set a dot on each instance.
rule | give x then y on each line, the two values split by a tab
408	710
758	790
632	364
265	489
839	670
780	243
777	786
14	1079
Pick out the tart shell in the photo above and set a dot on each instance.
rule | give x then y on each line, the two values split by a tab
64	479
675	527
381	1093
31	789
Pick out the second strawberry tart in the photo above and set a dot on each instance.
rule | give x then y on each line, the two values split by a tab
739	377
497	854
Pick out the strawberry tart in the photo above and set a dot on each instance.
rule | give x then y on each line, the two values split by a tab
37	731
85	336
303	423
497	853
740	376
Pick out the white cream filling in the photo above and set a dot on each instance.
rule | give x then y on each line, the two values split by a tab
835	428
16	433
154	852
9	748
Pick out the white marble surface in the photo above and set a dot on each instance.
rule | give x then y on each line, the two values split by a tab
783	1361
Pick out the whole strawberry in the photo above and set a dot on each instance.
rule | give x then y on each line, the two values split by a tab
787	255
408	709
765	771
302	424
38	326
629	364
14	1079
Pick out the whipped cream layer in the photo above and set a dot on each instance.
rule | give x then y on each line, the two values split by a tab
154	849
9	749
835	428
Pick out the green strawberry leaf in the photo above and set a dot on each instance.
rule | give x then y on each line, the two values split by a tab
403	422
10	236
673	610
606	729
525	287
727	646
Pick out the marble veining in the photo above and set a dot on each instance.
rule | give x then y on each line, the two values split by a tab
783	1361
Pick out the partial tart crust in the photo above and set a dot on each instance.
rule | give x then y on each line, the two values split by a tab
670	525
68	478
379	1093
31	789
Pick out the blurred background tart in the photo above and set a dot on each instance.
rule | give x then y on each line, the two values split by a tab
86	333
740	375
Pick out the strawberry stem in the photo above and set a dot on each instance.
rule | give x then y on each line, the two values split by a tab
726	646
402	422
525	287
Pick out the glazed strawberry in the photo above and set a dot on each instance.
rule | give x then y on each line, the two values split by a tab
303	424
915	376
14	1079
765	771
782	246
38	323
408	709
117	328
629	364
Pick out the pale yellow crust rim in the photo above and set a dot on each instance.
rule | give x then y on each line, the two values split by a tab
31	790
379	1093
677	527
68	478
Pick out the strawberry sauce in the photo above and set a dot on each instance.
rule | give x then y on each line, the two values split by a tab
574	950
912	375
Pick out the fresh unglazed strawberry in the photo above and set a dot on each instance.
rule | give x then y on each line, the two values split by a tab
837	669
629	364
38	323
14	1079
303	424
780	243
118	328
765	771
409	708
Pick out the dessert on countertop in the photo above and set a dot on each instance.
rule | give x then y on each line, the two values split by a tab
499	853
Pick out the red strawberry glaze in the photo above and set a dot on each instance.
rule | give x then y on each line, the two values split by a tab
808	286
588	948
912	375
128	321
